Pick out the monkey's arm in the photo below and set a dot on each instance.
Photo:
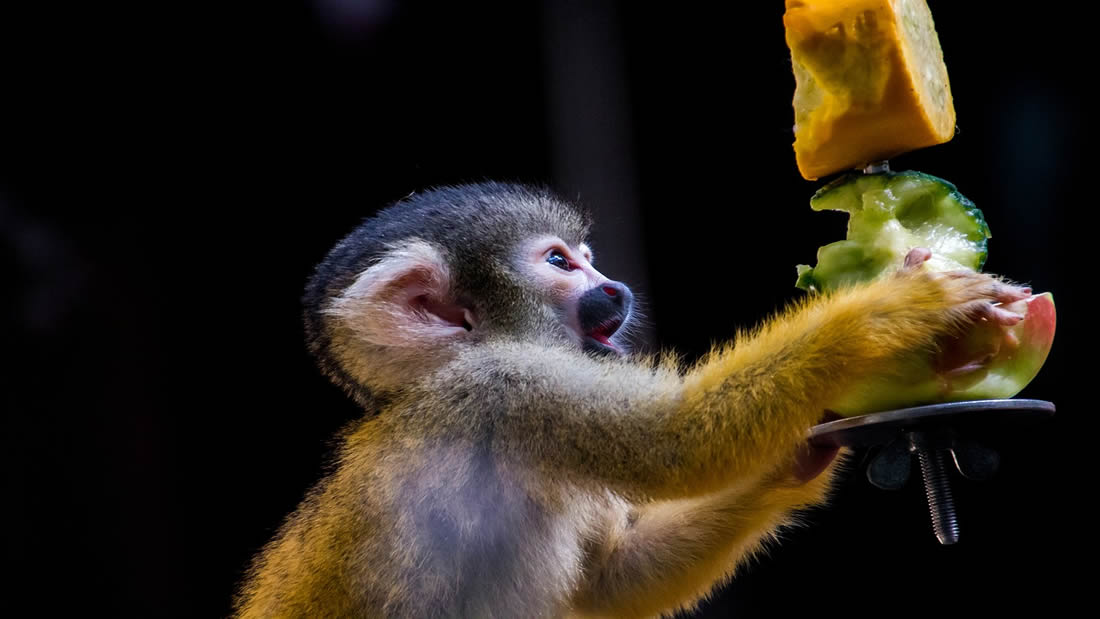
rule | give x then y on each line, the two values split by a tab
669	554
649	432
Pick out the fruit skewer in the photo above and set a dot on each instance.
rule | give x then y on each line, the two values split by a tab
871	84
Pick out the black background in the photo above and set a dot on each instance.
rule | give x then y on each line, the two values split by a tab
170	175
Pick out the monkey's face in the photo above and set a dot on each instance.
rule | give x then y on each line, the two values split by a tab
454	268
592	307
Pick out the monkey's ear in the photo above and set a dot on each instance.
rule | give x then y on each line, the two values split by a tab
404	300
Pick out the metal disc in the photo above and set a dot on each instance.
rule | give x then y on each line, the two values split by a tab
880	428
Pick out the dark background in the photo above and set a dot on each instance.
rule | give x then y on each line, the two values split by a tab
170	175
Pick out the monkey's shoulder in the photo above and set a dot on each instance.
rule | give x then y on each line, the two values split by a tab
498	368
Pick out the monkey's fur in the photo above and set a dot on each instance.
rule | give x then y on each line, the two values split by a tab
501	472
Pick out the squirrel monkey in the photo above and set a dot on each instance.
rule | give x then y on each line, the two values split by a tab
516	461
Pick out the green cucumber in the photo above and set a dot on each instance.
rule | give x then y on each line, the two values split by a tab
890	213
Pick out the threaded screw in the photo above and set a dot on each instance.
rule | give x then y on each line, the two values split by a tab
937	487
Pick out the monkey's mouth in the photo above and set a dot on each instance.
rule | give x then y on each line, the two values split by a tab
601	335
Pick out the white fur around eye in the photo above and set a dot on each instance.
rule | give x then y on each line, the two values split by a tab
588	254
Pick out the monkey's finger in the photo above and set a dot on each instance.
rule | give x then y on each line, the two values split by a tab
916	257
1008	293
997	289
812	460
1004	292
971	286
983	310
1002	316
967	286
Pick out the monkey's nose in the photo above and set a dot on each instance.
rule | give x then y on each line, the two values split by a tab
619	295
607	304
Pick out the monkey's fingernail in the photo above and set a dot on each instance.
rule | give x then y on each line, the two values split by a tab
1006	317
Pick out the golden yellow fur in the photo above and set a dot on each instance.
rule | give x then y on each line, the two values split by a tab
523	479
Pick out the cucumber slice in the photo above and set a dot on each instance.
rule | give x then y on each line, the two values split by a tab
890	213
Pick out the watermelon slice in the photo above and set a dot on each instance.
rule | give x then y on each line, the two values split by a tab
989	361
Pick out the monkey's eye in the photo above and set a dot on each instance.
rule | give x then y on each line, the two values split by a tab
559	260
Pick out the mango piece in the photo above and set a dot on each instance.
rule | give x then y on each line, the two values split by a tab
870	82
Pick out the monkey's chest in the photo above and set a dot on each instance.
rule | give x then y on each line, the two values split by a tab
500	547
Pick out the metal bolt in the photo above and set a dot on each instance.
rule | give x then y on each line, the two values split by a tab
931	432
937	487
876	167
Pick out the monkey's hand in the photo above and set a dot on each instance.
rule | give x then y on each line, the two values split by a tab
776	382
972	292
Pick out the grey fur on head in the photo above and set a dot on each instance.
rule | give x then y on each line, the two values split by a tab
475	226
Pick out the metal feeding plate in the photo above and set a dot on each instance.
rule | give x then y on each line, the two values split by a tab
933	435
880	428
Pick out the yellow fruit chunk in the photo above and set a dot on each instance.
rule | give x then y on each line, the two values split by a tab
870	82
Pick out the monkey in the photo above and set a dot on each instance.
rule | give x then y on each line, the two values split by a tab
517	459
